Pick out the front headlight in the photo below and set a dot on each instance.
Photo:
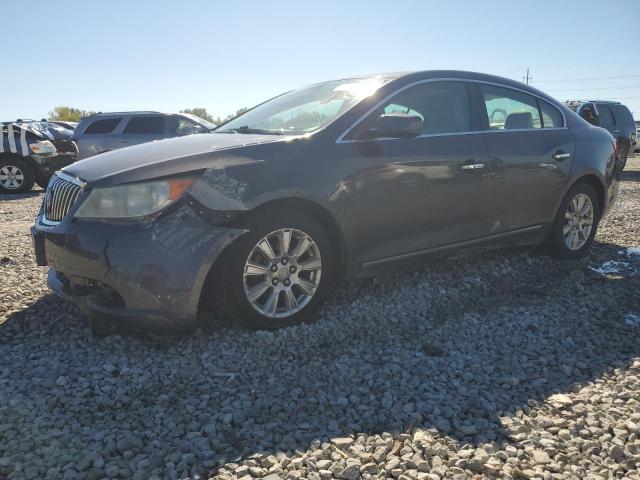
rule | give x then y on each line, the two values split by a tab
134	200
44	146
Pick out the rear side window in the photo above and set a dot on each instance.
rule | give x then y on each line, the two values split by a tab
443	106
510	110
145	125
604	115
551	116
622	114
107	125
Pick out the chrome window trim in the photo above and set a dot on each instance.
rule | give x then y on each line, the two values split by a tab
69	178
341	138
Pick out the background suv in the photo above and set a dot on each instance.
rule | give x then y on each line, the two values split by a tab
612	116
110	131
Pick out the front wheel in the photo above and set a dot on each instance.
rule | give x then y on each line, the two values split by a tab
16	176
277	274
576	223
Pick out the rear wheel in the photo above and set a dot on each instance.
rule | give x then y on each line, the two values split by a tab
16	176
277	274
576	223
623	158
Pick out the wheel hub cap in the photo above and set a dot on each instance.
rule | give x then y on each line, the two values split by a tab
11	177
578	222
282	273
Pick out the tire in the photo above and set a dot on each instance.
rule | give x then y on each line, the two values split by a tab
580	240
623	160
16	175
234	281
42	182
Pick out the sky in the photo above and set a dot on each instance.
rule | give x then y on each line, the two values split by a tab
169	55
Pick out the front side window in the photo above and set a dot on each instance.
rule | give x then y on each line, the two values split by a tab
510	110
305	110
105	126
145	125
443	107
604	115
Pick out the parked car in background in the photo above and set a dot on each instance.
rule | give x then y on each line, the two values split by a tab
109	131
31	151
615	118
329	181
68	125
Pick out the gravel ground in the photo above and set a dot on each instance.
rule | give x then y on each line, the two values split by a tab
504	365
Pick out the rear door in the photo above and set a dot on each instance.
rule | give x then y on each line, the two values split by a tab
530	156
98	136
142	129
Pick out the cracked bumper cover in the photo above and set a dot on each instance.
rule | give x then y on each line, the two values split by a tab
146	275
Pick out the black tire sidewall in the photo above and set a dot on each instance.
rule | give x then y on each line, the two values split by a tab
27	171
556	237
230	295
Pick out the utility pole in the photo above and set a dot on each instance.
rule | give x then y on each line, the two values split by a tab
528	78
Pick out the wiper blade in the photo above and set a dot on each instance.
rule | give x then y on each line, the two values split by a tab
245	129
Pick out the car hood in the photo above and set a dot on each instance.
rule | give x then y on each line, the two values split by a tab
162	158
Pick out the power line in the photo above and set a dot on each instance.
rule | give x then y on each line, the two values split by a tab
585	79
592	88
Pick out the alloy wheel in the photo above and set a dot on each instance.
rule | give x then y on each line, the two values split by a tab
11	177
282	273
578	221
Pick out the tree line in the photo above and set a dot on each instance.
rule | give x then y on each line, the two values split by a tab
70	114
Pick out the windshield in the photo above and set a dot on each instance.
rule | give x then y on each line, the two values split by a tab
199	120
304	110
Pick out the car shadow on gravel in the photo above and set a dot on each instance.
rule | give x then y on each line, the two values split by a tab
461	348
19	196
630	176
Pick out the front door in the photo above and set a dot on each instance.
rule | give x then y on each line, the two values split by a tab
530	157
414	194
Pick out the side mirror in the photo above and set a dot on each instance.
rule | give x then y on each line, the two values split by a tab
395	125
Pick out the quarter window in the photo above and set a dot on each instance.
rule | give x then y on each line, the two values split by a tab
622	114
442	106
510	110
551	116
105	126
145	125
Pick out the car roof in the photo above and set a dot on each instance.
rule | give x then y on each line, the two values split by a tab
139	112
578	102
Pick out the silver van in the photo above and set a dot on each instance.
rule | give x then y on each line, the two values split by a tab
109	131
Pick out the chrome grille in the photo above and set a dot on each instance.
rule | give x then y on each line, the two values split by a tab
60	196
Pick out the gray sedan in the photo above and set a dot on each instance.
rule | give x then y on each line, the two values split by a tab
331	181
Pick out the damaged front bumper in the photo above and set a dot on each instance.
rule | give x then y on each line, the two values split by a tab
146	275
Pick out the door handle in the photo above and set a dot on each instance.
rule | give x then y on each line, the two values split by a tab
124	141
560	155
472	166
616	130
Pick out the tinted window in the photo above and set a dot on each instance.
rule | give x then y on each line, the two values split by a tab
551	116
604	115
102	126
145	125
510	110
443	106
622	114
